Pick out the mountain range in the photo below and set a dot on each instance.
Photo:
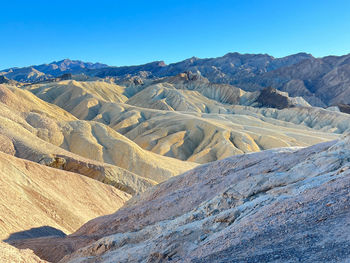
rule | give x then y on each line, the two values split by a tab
320	81
48	71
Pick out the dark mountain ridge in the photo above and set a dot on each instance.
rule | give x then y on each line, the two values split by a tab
320	81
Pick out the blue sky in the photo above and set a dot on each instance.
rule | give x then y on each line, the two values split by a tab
135	32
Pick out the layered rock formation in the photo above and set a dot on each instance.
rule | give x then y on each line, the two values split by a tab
200	96
278	205
29	129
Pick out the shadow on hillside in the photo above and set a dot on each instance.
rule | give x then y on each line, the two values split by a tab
43	231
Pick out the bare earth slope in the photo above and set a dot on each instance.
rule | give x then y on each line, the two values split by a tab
28	131
11	254
35	129
177	124
277	205
34	196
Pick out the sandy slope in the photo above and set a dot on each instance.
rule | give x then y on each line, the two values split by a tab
11	254
286	204
34	195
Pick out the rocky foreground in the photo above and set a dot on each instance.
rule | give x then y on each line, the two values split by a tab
282	205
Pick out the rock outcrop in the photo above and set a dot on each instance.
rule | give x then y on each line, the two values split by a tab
4	80
344	108
272	98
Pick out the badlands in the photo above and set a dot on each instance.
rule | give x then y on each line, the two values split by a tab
175	163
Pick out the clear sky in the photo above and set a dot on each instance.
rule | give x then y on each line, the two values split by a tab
135	32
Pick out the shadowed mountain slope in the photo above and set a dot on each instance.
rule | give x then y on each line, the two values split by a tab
320	81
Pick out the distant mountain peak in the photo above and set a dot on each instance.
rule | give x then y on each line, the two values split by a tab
160	63
68	61
192	59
